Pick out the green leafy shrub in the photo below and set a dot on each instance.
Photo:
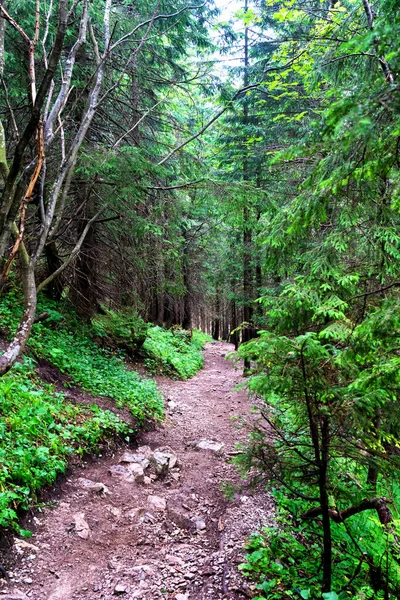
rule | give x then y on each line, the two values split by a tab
125	328
283	560
175	352
67	342
39	431
334	411
98	371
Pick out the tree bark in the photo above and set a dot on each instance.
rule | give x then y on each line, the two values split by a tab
17	346
378	504
217	318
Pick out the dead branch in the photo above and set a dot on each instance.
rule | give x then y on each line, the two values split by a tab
378	504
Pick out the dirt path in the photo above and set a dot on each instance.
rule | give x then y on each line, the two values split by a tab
187	544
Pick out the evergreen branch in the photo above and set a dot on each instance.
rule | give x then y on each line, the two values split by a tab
151	20
228	105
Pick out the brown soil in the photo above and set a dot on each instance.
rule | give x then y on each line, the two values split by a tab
134	551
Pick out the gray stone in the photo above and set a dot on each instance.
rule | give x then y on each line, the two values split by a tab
163	460
120	589
140	459
93	486
81	527
211	445
14	596
156	503
146	451
199	523
137	472
149	518
121	472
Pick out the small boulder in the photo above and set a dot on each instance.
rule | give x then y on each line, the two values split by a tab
211	445
163	460
146	451
178	516
120	589
93	486
137	472
136	514
22	545
115	511
121	472
139	459
199	524
81	527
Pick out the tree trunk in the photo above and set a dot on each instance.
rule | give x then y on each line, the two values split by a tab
203	325
217	319
187	299
326	522
17	346
55	289
85	268
373	472
234	337
247	237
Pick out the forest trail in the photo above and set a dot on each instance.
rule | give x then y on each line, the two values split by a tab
185	544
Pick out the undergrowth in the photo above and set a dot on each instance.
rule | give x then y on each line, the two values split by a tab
39	431
68	343
124	328
284	560
174	352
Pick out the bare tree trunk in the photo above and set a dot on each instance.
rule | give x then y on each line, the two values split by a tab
187	299
85	270
217	318
247	237
54	262
234	336
17	345
320	444
326	521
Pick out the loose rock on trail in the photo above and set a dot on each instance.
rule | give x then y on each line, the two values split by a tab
153	522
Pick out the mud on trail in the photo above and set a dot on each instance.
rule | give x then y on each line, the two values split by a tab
174	536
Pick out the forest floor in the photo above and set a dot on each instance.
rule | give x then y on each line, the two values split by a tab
175	536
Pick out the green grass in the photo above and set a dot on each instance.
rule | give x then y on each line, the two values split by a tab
39	432
174	351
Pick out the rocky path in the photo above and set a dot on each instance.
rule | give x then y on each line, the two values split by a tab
159	526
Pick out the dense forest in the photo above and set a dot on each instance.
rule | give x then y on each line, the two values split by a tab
164	169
